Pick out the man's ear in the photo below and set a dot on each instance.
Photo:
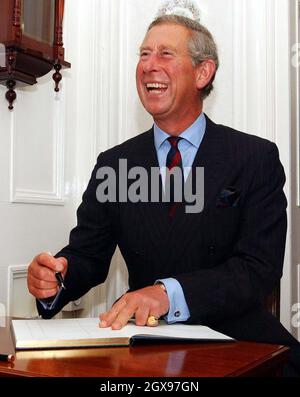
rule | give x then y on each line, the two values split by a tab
204	73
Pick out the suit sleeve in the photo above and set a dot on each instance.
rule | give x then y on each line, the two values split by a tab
254	266
91	246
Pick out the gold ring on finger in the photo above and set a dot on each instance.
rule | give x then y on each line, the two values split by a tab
152	321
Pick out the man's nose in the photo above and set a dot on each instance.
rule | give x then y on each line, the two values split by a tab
151	64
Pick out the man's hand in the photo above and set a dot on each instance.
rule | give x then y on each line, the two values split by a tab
41	279
149	301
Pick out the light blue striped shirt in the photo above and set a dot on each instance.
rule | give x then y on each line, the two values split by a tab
188	147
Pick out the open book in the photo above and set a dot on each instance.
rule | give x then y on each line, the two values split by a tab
85	332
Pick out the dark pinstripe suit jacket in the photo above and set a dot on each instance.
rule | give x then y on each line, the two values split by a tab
227	258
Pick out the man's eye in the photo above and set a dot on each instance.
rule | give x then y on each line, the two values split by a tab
144	54
167	53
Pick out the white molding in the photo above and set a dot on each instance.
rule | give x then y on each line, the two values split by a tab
30	196
36	197
96	73
14	272
102	141
282	61
113	66
123	70
271	72
261	96
240	65
254	52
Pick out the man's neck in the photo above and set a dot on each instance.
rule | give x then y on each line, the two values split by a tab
176	127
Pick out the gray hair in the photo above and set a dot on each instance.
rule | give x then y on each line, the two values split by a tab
201	45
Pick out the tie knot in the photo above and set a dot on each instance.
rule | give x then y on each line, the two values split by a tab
174	140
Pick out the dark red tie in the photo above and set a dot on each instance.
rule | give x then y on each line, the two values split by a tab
173	160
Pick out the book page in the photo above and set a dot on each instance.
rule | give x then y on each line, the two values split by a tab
42	333
68	329
179	331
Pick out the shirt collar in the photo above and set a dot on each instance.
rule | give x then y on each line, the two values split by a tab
193	134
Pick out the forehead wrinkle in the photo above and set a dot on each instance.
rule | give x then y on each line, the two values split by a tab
160	47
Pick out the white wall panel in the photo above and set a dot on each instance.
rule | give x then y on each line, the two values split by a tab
19	302
37	156
261	96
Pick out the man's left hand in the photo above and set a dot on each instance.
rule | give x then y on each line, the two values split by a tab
149	301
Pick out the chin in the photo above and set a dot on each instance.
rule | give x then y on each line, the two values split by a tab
157	115
154	110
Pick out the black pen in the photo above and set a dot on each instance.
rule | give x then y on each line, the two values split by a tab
7	357
60	280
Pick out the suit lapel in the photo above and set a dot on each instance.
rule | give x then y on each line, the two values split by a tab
153	216
213	158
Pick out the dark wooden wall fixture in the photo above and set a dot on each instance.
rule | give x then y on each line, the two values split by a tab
24	58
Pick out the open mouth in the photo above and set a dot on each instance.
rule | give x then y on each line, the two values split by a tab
156	88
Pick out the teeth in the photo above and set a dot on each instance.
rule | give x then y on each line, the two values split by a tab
156	85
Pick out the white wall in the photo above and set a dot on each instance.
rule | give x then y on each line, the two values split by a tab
98	107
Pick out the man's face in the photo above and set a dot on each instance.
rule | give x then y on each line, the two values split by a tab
166	78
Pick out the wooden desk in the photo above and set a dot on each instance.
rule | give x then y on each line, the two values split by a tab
172	360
